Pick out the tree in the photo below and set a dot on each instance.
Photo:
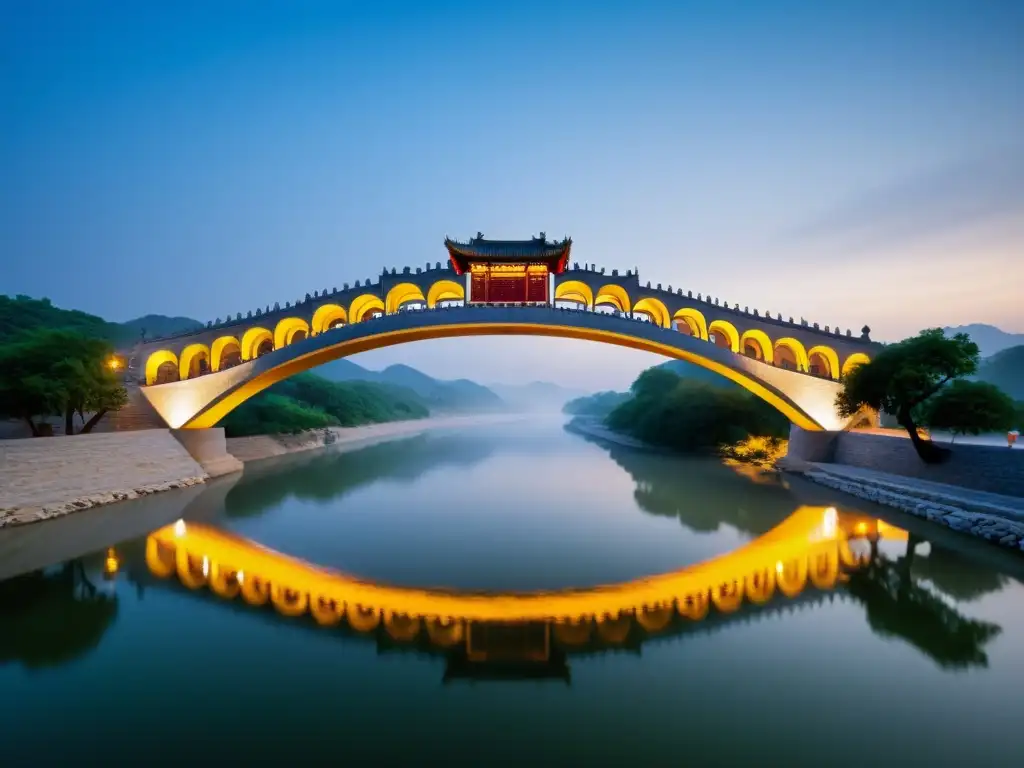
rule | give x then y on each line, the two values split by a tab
969	408
48	372
692	416
904	375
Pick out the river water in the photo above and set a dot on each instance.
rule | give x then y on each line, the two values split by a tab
873	639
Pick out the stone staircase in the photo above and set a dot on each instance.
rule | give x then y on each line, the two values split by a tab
137	414
993	517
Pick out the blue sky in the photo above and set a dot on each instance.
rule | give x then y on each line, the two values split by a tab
847	162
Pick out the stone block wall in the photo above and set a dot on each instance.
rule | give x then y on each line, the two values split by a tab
45	477
988	468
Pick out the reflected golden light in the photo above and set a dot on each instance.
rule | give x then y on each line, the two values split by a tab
111	564
811	546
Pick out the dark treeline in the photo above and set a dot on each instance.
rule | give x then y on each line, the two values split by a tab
689	415
598	405
308	401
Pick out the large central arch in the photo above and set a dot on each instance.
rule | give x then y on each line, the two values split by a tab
202	402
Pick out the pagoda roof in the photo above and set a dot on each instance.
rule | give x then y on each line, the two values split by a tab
536	249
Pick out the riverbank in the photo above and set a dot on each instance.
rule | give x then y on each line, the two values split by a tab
46	478
260	447
594	427
994	518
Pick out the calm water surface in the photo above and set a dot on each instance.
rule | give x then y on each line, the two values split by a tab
914	655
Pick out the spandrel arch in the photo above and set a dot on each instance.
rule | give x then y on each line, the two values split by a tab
402	293
364	307
326	317
445	290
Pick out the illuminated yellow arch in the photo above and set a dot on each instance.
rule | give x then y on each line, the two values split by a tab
857	358
188	354
761	341
798	350
659	312
325	315
728	330
155	360
219	347
251	341
218	409
402	293
285	330
830	357
694	320
615	295
577	298
445	290
812	542
362	304
574	290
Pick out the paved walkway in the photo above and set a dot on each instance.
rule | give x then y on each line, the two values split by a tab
995	518
982	501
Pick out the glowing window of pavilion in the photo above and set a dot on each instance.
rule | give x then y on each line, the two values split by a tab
516	271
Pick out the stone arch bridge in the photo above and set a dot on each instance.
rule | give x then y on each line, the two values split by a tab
194	379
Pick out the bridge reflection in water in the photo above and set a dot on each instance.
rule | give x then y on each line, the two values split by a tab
528	634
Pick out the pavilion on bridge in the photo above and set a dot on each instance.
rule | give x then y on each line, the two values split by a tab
509	271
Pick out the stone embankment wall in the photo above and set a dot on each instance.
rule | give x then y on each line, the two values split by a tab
987	468
47	477
996	519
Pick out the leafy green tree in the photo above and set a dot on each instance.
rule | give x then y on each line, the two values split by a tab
269	414
654	383
693	416
307	401
969	408
599	404
904	375
47	372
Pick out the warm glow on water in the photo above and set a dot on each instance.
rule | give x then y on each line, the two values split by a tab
520	592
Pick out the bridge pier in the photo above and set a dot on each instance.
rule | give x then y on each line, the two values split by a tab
210	450
806	446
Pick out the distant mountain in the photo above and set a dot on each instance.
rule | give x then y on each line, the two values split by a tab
597	405
458	395
157	325
1005	369
22	313
989	339
536	396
